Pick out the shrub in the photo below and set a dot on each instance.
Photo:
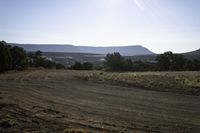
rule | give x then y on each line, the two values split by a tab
87	66
74	130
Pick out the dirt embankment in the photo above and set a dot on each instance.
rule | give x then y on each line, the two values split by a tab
57	101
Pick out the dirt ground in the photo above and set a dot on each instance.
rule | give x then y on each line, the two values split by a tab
51	101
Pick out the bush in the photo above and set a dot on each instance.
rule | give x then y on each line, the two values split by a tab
84	66
87	66
60	66
77	66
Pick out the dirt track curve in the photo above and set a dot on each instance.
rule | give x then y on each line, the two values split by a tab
52	101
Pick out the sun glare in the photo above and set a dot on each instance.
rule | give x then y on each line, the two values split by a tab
139	5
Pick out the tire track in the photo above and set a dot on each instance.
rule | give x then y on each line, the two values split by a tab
102	107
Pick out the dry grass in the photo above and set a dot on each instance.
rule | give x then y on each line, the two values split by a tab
192	81
74	130
184	82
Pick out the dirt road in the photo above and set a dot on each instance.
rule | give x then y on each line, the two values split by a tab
55	101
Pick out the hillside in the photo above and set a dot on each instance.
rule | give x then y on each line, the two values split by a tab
193	54
124	50
196	52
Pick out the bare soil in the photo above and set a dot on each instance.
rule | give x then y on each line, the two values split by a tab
53	101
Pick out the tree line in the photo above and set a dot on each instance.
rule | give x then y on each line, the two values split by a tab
82	66
16	58
164	62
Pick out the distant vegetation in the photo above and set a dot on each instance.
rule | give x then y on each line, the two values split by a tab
16	58
37	60
84	66
164	62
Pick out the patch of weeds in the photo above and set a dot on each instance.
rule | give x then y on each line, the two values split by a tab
74	130
194	83
179	79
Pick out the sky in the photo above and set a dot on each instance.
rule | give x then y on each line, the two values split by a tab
159	25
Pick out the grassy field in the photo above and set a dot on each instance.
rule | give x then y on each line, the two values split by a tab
64	101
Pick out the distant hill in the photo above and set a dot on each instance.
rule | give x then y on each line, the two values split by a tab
124	50
193	55
196	52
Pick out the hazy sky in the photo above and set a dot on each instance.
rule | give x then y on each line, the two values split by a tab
160	25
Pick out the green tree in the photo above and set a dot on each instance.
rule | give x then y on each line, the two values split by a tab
196	65
139	66
19	57
114	62
165	60
170	61
5	57
38	54
39	60
178	62
128	65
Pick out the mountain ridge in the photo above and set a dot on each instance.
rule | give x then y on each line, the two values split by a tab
129	50
194	52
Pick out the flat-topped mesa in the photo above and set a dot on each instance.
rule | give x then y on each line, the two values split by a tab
123	50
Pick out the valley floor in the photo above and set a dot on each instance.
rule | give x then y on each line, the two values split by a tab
57	101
